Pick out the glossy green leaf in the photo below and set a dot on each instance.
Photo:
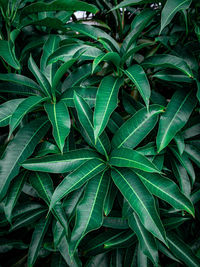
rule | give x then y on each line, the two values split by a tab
59	116
167	190
135	129
7	109
7	54
193	153
19	149
139	78
76	179
106	102
110	198
170	9
177	114
60	163
23	108
172	76
89	213
124	239
146	240
110	56
13	195
168	61
115	223
37	239
127	3
140	199
125	157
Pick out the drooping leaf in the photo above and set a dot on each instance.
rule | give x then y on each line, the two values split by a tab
110	56
8	55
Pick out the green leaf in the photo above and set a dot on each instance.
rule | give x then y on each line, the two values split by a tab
146	240
66	162
6	52
127	3
76	179
110	56
135	129
198	90
13	195
89	213
49	47
85	117
177	114
167	190
141	201
23	108
182	251
170	9
7	109
57	5
106	102
124	157
43	185
41	79
172	76
115	223
193	153
110	198
168	61
37	239
139	78
19	149
59	116
125	239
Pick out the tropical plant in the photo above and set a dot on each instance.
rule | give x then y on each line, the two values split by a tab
99	142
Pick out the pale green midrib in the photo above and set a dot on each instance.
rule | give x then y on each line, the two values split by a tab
92	129
140	200
74	185
54	161
107	245
91	211
107	104
174	11
139	126
5	118
25	148
157	187
85	98
166	131
56	123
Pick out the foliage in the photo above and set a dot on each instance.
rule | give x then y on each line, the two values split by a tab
100	132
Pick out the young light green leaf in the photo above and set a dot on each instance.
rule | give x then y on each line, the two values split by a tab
124	157
134	130
140	199
89	213
66	162
76	179
177	114
170	9
59	116
139	78
19	149
106	102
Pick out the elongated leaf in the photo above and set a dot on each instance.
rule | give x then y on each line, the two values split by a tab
140	199
127	3
115	223
41	79
20	79
58	5
182	251
76	179
146	240
7	109
106	102
167	190
110	198
19	149
49	47
89	213
168	61
7	54
37	239
170	9
60	163
23	108
139	78
13	195
124	157
110	56
177	114
59	116
172	76
85	117
43	184
134	130
125	239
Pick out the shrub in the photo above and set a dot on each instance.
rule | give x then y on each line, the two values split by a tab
100	133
